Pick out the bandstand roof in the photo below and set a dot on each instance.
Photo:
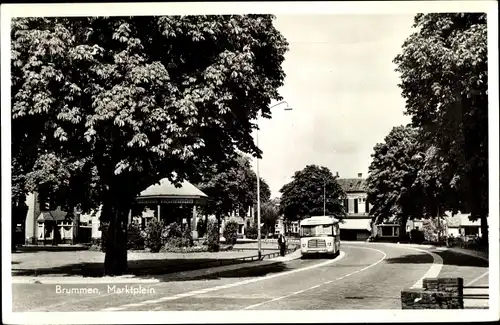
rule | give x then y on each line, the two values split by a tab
54	215
166	192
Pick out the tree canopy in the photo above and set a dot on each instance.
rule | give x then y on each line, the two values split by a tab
392	174
270	213
444	80
103	107
404	180
303	196
234	189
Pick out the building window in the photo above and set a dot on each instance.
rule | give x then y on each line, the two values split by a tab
387	231
367	207
471	231
355	205
346	205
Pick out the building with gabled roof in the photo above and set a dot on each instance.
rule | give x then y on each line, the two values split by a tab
357	224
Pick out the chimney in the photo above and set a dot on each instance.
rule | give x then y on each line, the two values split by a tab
360	175
336	174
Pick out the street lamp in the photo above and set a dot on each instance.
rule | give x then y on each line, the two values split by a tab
324	198
259	244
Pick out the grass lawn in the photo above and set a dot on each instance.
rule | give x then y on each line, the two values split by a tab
90	263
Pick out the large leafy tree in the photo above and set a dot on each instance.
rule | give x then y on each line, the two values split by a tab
114	104
270	214
233	189
403	181
304	195
444	80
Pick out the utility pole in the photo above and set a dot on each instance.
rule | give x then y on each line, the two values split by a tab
259	235
324	198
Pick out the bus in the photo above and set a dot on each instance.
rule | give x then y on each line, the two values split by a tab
320	235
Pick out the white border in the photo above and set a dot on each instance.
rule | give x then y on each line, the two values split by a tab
244	7
374	7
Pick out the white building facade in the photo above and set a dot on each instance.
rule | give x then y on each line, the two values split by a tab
357	224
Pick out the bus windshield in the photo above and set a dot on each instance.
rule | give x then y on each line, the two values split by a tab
316	231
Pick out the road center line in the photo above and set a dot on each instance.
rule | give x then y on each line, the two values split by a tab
231	285
477	279
316	286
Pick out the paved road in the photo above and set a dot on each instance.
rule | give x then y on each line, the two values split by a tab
365	276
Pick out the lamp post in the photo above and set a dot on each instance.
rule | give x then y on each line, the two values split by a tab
324	198
259	244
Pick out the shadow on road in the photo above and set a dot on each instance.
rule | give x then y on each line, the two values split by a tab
449	258
317	257
260	271
410	259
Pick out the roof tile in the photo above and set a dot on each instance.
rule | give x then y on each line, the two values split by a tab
352	184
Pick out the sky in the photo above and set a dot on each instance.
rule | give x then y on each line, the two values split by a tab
342	88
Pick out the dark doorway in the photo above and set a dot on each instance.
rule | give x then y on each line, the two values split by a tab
347	234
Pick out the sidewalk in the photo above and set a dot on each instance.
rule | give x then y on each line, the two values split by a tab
458	250
470	252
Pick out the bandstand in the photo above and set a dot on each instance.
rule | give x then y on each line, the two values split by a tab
165	201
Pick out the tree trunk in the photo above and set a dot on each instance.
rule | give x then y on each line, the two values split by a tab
484	230
217	216
115	261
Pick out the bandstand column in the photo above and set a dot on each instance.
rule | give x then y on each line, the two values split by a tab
194	231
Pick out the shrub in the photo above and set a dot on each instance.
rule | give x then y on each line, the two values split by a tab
174	237
213	236
187	237
417	236
431	229
134	237
171	232
103	227
230	232
251	232
201	227
194	249
95	244
154	232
